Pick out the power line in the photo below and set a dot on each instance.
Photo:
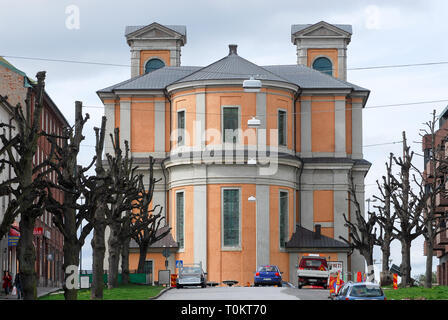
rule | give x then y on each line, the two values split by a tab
292	113
128	66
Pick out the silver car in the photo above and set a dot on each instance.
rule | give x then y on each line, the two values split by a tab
191	275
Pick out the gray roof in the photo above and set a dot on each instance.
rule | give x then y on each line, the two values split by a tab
308	78
179	29
155	80
232	67
298	27
304	239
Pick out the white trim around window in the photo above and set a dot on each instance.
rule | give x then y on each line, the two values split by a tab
238	246
181	247
286	221
222	124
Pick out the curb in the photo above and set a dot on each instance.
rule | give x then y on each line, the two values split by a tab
48	292
160	293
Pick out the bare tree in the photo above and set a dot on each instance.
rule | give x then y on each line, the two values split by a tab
362	231
408	205
385	219
97	200
69	214
144	221
28	186
125	193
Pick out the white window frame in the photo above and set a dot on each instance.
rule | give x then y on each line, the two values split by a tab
237	247
177	127
286	127
238	140
181	249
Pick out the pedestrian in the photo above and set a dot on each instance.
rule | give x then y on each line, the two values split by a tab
7	282
18	284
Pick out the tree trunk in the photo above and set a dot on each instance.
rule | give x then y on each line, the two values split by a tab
71	258
125	254
99	249
368	255
429	252
385	275
142	257
27	257
405	263
114	256
125	262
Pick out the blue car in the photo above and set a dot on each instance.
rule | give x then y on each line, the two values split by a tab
268	275
360	291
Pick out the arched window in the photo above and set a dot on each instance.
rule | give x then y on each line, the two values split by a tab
323	65
153	64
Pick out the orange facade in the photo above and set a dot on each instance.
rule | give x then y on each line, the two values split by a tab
237	263
331	54
146	55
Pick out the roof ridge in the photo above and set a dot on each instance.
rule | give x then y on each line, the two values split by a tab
320	73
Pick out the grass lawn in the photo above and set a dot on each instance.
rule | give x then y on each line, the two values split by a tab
125	292
417	293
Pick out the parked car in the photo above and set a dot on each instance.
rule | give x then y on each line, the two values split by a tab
312	271
191	275
360	291
268	275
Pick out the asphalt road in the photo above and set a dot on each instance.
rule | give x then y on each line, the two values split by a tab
244	293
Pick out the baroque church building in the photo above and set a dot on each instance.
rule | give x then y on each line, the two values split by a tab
250	175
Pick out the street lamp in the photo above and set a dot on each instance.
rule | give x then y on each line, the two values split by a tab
252	199
252	85
368	205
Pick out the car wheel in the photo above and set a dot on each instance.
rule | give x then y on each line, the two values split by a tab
179	286
325	286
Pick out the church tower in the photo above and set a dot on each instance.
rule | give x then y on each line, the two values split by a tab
155	46
323	46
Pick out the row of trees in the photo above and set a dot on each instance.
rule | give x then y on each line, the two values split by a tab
407	208
115	195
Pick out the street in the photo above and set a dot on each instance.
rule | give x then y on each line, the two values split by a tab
244	293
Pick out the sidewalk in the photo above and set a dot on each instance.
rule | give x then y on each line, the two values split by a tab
41	291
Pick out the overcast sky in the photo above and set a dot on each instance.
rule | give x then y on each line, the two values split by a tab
384	33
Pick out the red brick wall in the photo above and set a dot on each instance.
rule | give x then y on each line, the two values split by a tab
11	85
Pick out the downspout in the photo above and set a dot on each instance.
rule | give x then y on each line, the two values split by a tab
299	182
165	92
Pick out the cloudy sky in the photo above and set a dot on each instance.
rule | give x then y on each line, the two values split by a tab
385	33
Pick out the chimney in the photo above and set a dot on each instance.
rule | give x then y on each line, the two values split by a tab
317	231
232	49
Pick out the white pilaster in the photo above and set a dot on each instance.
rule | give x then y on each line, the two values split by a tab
305	128
339	128
262	225
125	123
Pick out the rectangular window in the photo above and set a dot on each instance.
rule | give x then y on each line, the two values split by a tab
281	128
180	219
181	128
231	217
283	215
230	124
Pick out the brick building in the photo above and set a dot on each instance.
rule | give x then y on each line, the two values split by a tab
47	239
233	205
441	241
